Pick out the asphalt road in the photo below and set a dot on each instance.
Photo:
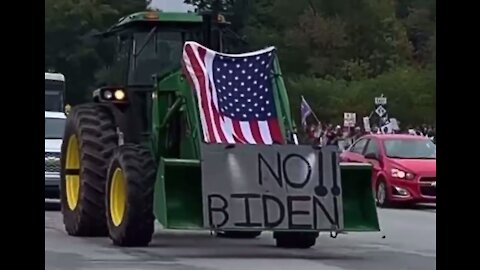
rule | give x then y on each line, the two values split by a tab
409	243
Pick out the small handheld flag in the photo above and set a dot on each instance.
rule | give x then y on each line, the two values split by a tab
305	111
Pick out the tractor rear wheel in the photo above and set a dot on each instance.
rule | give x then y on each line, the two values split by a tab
295	239
88	143
130	186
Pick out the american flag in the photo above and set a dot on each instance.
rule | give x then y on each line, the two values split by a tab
234	94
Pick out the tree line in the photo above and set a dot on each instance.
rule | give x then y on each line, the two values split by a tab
339	54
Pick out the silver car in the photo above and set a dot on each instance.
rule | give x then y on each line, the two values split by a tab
54	127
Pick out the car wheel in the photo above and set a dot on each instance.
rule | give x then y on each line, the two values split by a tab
381	194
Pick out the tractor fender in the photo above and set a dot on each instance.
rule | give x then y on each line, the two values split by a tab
119	116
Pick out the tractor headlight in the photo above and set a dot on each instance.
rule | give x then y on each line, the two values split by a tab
115	94
119	94
107	94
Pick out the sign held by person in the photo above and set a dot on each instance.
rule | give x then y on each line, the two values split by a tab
381	100
381	106
349	119
366	124
394	124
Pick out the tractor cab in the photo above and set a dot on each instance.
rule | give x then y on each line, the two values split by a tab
148	50
150	43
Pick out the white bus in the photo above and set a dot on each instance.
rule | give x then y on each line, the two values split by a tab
54	92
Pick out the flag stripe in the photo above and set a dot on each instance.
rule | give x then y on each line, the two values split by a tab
238	132
191	75
198	76
218	125
265	132
208	60
247	132
255	130
274	127
228	129
199	52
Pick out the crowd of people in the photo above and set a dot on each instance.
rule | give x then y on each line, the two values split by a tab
329	134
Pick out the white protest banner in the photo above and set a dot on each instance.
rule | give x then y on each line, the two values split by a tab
366	124
349	119
293	187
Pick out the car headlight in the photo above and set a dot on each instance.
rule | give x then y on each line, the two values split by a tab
402	174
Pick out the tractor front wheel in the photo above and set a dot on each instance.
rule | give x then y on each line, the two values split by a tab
129	200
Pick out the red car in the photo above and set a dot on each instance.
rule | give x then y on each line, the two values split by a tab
404	167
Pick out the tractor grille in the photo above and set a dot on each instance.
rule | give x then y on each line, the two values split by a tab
52	162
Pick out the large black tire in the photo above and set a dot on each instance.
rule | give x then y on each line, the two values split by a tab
133	223
88	143
239	234
295	239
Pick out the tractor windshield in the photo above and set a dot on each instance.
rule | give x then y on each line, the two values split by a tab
157	53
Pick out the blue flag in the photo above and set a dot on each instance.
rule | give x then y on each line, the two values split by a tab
305	111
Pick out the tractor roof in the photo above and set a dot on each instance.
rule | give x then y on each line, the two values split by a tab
159	16
155	17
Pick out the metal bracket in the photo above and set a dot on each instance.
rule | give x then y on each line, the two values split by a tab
213	231
230	146
121	140
334	231
317	147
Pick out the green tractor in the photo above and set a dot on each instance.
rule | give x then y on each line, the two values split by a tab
140	151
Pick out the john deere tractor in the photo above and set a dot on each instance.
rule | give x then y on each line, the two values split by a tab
137	153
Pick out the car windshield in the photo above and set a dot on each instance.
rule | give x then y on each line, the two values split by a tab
410	149
54	128
53	101
54	95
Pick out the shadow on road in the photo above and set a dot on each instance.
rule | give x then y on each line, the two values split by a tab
422	207
202	245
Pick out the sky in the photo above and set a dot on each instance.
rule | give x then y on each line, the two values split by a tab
171	5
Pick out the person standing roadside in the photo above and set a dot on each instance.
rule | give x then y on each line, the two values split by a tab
357	133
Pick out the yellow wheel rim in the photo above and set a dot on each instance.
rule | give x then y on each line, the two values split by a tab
117	197
72	166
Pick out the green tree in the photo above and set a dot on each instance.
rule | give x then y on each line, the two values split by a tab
68	47
340	54
211	4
